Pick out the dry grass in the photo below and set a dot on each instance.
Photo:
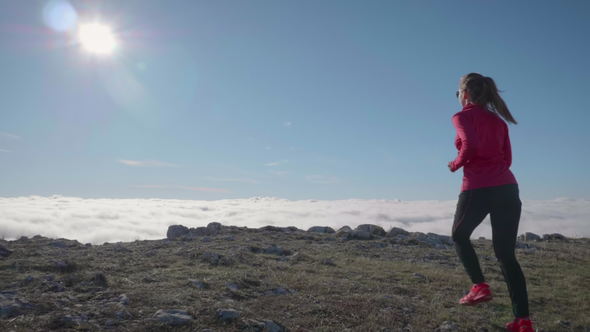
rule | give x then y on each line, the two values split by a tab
368	287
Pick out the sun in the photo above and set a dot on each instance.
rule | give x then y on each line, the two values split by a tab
97	38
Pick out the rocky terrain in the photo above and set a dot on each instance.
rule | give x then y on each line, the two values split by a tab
229	278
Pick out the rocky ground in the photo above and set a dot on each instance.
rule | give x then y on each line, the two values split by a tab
228	278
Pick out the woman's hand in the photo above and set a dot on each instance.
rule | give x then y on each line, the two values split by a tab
450	165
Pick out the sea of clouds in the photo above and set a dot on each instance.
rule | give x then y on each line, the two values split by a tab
110	220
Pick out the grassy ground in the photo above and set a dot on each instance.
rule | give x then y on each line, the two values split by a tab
371	285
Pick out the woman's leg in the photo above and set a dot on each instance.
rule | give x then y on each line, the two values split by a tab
505	217
472	208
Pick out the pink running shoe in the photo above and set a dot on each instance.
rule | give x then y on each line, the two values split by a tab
520	325
478	293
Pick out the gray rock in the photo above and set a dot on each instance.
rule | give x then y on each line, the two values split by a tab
397	231
5	252
123	299
359	235
199	284
420	276
214	228
272	326
176	231
232	286
174	317
444	239
198	232
65	266
372	229
327	261
321	229
99	279
447	326
279	291
67	321
554	237
528	236
211	257
344	229
430	240
276	250
270	228
255	325
11	305
227	315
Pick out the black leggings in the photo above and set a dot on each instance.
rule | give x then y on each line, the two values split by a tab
504	206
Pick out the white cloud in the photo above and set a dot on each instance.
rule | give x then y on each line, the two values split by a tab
276	163
287	123
3	150
100	220
8	135
146	163
157	186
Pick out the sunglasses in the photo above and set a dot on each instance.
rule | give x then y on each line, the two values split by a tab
457	94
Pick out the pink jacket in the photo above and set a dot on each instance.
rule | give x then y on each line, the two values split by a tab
484	148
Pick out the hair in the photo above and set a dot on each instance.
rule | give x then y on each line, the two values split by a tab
483	92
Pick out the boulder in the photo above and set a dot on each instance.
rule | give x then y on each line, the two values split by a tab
395	231
359	235
321	229
554	237
528	236
372	229
214	228
176	231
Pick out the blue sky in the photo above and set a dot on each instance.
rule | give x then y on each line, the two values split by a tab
292	99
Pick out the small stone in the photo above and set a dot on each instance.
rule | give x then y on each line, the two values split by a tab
227	315
123	299
5	252
210	257
99	280
65	266
232	286
199	284
420	276
272	326
174	317
276	250
278	291
327	261
447	326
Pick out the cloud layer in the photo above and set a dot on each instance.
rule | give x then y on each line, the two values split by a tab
111	220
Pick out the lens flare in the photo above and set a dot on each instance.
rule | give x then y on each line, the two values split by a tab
97	38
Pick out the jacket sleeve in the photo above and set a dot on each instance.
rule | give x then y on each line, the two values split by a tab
468	137
507	149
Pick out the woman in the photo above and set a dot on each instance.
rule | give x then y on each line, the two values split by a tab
488	187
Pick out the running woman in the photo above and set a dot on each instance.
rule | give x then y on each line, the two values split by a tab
488	186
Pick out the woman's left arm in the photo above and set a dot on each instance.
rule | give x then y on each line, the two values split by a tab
466	132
